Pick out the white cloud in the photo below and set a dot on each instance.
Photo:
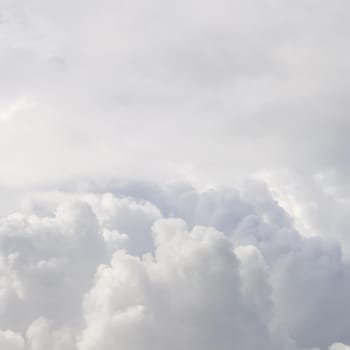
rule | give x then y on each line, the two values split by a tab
339	346
11	341
99	99
256	283
47	263
41	336
188	297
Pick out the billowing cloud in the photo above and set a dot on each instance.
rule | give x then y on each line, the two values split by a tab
222	268
11	341
128	130
47	263
188	296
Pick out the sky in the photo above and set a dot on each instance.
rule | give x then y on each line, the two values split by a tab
174	174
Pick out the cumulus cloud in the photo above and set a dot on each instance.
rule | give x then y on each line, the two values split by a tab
103	104
188	296
229	271
338	346
46	263
11	341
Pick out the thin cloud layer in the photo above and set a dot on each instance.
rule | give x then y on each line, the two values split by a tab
208	92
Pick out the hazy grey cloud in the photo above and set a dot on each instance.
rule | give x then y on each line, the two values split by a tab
157	90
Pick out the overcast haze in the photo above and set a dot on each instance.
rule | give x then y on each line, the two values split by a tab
174	175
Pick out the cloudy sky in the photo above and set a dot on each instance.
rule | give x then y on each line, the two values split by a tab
174	175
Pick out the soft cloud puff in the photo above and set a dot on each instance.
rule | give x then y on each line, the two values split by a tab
229	271
47	263
339	346
188	296
11	341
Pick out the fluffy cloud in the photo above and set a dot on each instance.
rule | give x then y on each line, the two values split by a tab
41	336
99	99
11	341
222	268
46	263
188	296
338	346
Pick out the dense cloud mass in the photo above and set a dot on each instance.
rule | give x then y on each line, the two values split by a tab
174	175
222	269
